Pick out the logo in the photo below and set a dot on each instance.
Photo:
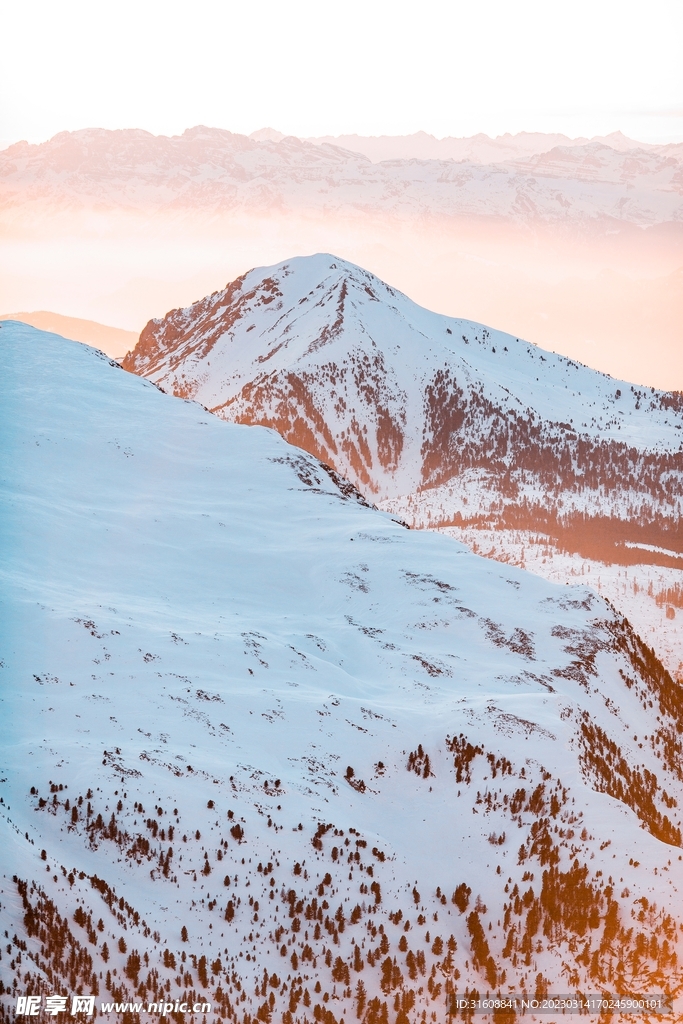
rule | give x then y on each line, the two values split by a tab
30	1006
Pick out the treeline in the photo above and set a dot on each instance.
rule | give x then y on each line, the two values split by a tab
601	538
333	954
465	431
604	762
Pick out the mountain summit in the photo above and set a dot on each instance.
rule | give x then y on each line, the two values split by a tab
407	402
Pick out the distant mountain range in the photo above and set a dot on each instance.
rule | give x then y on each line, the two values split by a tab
526	179
479	149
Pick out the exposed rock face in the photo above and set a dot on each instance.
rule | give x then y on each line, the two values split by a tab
311	371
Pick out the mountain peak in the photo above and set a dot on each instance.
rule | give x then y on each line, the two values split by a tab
267	135
422	410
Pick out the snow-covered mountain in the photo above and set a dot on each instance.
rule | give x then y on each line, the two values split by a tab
425	409
266	748
524	455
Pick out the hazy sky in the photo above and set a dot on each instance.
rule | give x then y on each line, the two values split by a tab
311	67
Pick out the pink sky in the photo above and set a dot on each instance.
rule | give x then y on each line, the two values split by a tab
377	67
451	69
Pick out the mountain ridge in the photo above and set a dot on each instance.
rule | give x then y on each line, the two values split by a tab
114	341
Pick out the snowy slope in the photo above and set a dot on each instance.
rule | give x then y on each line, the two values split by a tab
650	595
400	399
360	765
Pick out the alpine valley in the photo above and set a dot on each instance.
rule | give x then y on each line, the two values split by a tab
267	749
